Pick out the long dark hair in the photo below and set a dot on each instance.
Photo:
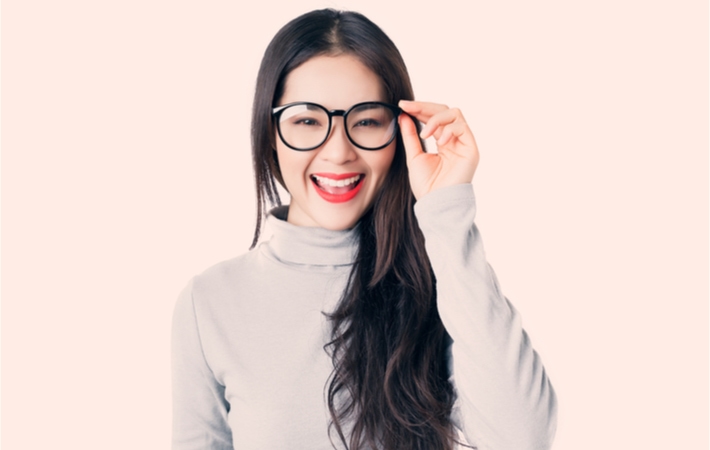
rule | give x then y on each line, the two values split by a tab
390	384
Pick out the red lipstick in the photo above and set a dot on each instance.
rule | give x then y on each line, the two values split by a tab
336	194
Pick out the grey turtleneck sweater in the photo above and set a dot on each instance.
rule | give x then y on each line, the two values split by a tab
249	369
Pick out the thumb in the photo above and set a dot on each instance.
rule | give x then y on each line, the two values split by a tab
410	137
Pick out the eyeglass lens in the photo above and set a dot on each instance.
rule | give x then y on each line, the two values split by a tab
306	126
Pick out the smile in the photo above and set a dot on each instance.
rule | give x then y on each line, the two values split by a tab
337	188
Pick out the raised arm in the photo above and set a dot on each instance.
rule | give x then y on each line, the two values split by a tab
504	398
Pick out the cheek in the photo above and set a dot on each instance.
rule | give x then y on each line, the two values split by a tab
283	163
382	161
292	165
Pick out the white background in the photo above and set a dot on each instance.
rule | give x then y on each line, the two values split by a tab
126	170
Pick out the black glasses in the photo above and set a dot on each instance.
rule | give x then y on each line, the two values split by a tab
305	126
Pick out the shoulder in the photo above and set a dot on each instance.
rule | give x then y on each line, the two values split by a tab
223	283
226	272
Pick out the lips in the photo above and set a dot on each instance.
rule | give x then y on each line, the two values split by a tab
337	188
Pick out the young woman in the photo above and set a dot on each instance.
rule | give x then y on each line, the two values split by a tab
370	318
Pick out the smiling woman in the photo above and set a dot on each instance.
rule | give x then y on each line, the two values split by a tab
370	319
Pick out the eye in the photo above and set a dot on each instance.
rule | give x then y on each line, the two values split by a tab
304	116
369	116
306	121
368	123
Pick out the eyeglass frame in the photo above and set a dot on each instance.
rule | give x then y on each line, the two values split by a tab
277	110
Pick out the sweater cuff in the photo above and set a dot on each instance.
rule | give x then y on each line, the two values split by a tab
441	203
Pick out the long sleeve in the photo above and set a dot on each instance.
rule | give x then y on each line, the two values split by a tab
199	405
504	398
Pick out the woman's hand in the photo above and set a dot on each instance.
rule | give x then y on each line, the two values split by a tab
457	157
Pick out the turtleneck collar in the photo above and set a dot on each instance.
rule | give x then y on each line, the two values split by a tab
313	246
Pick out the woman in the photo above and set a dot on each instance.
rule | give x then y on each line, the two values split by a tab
370	319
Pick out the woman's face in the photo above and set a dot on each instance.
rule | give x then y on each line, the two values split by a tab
312	177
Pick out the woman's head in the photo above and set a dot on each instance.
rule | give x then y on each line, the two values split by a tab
342	48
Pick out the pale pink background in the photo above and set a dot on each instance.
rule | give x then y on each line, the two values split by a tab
126	170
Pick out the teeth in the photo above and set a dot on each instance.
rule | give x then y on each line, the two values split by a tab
323	181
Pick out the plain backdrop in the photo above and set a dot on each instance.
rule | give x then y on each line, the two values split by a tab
126	170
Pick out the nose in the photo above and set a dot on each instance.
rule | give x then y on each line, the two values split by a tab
337	148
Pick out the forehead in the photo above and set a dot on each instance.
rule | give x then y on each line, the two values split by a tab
336	82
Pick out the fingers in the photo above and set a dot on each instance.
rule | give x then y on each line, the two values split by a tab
442	122
423	111
410	137
447	124
456	157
